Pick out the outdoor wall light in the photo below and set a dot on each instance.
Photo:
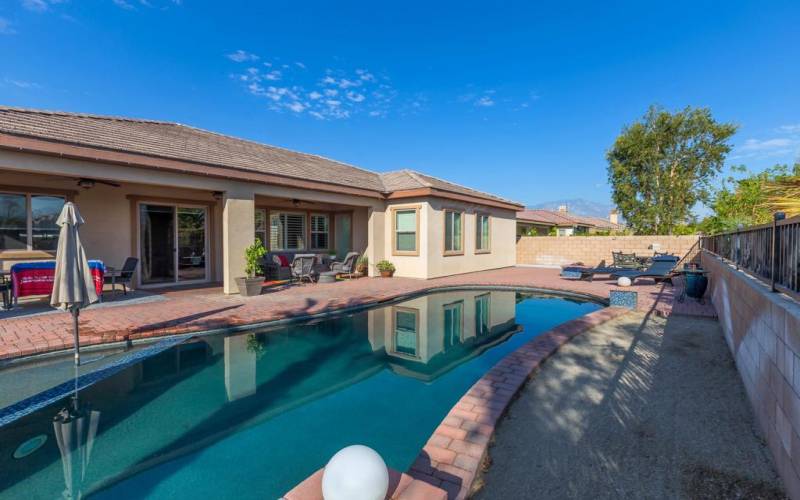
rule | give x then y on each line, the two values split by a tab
217	195
86	183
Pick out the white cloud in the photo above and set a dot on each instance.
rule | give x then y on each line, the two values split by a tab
296	107
122	4
332	95
36	5
790	129
5	27
484	101
21	84
240	55
365	75
355	96
765	145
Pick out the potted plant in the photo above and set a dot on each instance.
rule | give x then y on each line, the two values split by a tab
362	265
386	268
251	284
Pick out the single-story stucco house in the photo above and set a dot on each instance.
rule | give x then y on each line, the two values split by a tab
187	202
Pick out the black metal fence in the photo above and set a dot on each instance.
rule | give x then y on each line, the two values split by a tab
769	251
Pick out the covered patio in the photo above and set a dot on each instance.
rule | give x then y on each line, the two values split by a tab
182	230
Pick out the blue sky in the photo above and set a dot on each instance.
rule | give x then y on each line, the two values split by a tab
520	99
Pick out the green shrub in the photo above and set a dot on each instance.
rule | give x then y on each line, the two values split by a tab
252	256
385	266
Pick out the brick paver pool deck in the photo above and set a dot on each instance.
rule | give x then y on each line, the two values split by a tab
206	309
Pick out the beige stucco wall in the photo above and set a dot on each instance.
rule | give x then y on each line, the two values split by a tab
109	232
591	250
503	235
409	266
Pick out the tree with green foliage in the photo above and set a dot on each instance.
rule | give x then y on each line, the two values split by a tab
743	199
661	166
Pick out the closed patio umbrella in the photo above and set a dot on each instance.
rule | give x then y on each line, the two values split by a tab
75	428
73	286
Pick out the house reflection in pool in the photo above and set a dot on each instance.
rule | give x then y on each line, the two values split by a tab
293	394
429	335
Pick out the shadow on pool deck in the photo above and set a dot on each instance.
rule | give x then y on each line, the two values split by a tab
640	407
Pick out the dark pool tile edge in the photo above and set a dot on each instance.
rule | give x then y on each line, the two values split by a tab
331	312
45	398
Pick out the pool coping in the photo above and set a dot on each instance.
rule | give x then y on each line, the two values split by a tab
328	313
452	458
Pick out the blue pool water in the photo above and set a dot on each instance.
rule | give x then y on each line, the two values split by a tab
250	415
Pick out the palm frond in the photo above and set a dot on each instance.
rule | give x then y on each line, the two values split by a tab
784	195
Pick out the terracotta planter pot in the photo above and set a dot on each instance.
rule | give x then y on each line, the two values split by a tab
249	287
387	274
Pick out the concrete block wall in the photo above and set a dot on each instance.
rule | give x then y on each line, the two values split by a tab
762	330
591	250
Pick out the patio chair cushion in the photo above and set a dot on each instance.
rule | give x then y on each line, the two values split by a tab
281	260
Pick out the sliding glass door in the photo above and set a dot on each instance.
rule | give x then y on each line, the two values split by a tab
172	244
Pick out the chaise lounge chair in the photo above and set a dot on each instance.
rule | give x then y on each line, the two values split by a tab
660	270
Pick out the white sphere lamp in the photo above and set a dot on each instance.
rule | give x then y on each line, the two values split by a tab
623	281
355	473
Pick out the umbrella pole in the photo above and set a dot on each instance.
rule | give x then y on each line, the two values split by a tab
75	313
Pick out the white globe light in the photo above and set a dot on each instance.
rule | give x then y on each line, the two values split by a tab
624	281
355	473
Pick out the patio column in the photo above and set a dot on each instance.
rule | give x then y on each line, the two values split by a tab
376	238
238	232
240	368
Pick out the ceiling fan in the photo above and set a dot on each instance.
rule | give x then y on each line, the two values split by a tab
85	182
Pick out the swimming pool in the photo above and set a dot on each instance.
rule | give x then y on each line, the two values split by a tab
253	414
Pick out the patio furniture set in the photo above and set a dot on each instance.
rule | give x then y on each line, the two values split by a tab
307	267
660	267
26	279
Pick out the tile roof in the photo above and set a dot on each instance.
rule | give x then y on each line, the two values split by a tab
545	217
160	139
409	179
556	218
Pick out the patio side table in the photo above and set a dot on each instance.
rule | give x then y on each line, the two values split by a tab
113	274
327	277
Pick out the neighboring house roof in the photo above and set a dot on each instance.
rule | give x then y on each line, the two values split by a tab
562	219
182	145
544	217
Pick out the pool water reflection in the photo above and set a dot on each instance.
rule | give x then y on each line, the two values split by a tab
251	415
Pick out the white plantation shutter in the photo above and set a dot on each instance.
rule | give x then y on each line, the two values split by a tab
287	231
319	231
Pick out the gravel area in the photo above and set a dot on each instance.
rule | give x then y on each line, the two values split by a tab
640	407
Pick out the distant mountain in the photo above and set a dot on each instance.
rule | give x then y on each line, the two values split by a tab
578	206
